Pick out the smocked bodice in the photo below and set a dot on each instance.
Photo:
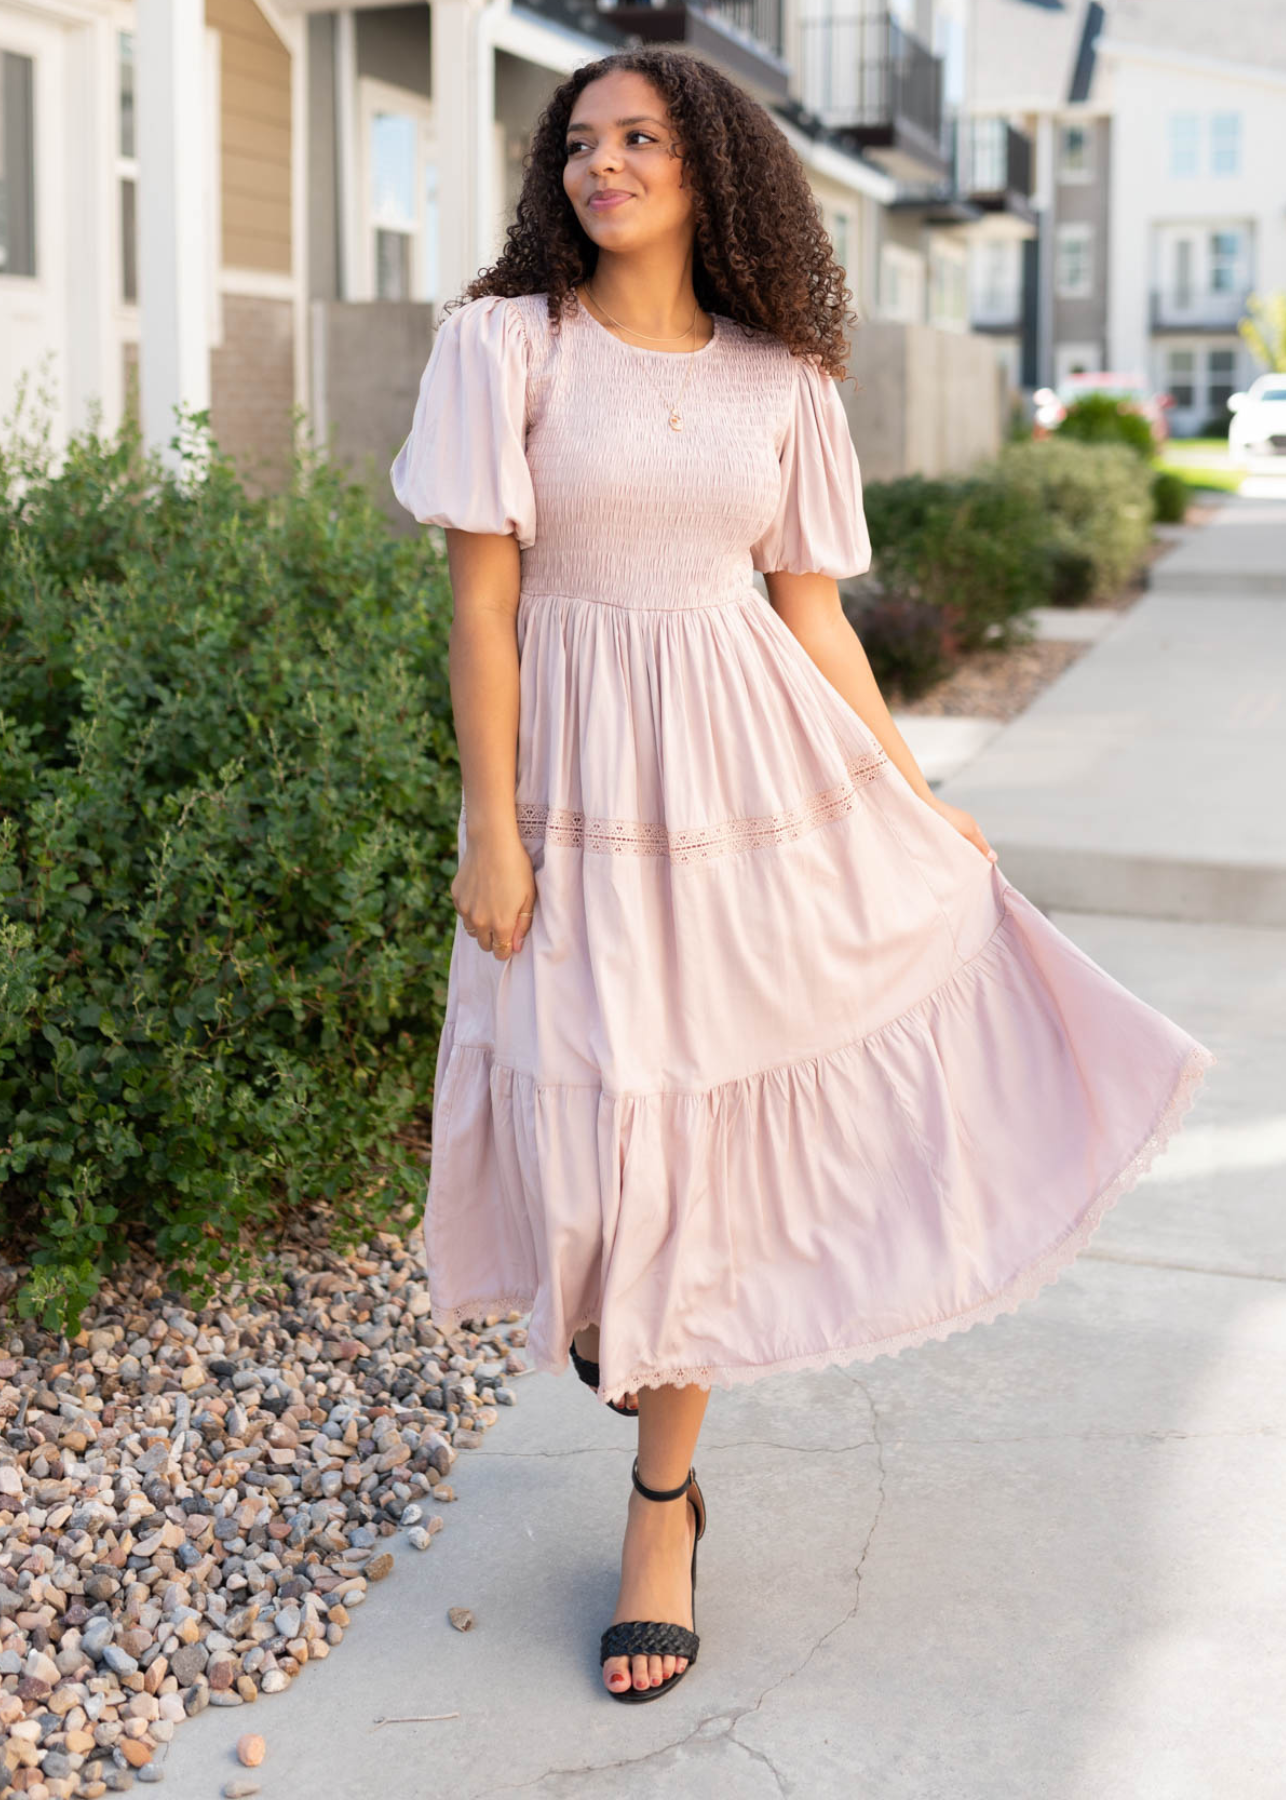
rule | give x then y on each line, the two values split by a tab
562	436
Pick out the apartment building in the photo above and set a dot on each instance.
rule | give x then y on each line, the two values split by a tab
255	205
1158	138
1198	202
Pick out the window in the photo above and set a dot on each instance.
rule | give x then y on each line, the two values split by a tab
1185	133
1073	264
393	208
1225	262
901	284
1221	372
839	239
17	166
126	167
997	290
1075	153
1180	377
398	229
948	297
1225	143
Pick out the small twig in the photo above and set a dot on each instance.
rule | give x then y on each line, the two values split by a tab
418	1719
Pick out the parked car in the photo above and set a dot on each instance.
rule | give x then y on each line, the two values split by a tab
1132	390
1258	426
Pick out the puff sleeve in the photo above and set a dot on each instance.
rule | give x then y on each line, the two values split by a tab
820	523
464	462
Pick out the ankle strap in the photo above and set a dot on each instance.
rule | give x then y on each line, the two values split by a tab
660	1493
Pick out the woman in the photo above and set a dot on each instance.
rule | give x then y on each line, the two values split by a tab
753	1060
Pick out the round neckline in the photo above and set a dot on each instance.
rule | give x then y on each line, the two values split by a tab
641	349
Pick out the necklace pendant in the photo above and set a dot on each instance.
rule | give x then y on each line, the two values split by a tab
676	421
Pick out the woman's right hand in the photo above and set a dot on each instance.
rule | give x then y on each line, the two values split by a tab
494	892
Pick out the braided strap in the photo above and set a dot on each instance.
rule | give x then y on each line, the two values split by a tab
648	1637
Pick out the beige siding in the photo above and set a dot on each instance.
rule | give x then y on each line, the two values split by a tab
255	133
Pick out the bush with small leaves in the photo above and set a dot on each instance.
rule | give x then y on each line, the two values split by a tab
1095	504
1169	497
1105	419
230	791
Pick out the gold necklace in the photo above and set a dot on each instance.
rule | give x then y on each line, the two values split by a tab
672	407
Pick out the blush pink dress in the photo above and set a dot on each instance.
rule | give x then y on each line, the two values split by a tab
786	1072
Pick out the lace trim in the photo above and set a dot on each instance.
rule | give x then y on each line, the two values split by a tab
1025	1285
627	837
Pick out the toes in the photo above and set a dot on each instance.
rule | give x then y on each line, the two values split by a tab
641	1677
654	1670
680	1663
616	1672
667	1667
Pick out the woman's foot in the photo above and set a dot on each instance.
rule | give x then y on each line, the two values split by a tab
656	1583
586	1342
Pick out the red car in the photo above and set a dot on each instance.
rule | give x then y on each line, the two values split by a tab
1132	390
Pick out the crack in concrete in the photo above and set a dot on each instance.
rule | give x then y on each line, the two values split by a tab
634	1762
876	1440
732	1718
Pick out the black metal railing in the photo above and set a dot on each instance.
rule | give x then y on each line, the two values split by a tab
758	19
992	157
866	73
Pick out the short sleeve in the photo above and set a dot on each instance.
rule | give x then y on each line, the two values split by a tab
464	462
820	523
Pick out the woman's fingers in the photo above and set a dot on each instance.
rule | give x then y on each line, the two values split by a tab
522	925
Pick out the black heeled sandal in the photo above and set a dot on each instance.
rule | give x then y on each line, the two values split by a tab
656	1637
587	1369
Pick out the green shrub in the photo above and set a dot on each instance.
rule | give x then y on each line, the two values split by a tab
1095	504
1169	497
230	790
972	546
906	642
1101	419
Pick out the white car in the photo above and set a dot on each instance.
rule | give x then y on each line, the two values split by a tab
1258	427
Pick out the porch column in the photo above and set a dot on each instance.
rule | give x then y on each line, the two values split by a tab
464	106
174	253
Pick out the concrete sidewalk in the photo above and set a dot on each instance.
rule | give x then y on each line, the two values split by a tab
1148	778
1038	1561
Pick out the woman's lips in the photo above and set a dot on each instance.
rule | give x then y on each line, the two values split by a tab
600	202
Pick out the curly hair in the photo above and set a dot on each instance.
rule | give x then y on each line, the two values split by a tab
761	253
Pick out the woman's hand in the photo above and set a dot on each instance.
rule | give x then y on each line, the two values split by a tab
964	822
494	892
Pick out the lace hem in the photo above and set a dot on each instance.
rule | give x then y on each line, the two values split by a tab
1025	1285
627	837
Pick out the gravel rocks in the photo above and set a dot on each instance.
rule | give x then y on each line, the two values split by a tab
193	1502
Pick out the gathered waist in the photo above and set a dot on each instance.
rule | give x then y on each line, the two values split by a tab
734	596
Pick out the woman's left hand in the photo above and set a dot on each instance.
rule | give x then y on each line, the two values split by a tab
964	823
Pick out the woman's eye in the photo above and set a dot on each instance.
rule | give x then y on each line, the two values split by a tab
574	144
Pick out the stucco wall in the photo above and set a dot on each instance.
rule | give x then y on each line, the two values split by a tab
371	355
927	402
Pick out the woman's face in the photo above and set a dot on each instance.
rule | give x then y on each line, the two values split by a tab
619	141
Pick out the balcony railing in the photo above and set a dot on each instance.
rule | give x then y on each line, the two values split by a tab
866	76
745	36
758	19
1198	309
993	160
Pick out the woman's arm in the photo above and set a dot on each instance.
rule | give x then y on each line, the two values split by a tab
810	606
495	880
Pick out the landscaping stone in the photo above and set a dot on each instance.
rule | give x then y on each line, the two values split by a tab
192	1501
